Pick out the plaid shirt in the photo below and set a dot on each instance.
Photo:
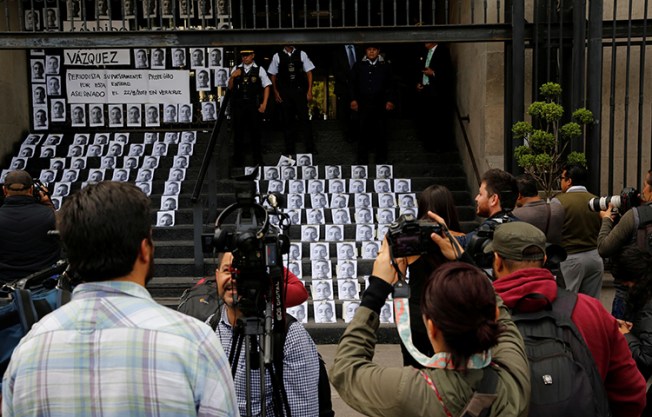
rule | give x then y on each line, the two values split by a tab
113	351
300	372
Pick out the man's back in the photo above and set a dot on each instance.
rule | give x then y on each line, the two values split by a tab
548	217
581	226
25	247
625	386
114	351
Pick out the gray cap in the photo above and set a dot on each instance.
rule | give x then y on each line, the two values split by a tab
18	177
512	239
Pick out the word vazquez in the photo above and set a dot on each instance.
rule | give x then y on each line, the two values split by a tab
92	58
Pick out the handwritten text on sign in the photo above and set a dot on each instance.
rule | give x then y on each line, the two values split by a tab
96	57
127	86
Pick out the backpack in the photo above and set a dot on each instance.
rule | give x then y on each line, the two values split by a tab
565	380
644	232
20	311
201	300
323	385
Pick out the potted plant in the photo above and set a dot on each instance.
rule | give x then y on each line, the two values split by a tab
543	153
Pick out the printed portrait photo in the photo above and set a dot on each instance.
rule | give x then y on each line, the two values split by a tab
116	118
333	172
133	115
299	312
157	56
304	159
41	118
384	171
38	70
346	250
348	289
78	115
58	110
215	57
334	232
324	312
165	218
348	310
322	290
402	185
309	233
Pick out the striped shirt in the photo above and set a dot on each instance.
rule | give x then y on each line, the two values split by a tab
113	351
300	372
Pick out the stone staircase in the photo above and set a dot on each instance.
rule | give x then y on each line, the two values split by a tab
175	265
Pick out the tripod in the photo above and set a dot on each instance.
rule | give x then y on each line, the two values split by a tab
252	330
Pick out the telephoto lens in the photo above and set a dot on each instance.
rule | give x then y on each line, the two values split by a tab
601	203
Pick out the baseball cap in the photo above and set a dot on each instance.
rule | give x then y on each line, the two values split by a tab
16	178
512	239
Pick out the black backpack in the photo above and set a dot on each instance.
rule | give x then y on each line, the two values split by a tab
201	300
644	232
565	380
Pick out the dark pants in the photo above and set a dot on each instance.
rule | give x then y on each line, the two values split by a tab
246	117
372	136
294	111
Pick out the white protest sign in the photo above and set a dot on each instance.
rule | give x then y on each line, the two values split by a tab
128	86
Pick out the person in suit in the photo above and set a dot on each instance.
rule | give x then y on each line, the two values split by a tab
373	95
343	58
435	104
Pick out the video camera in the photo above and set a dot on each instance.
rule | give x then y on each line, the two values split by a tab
629	197
257	248
408	236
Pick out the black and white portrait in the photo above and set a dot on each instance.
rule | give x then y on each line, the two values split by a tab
115	149
52	64
178	57
336	186
275	186
136	149
387	313
52	139
185	113
18	163
386	200
169	113
339	201
334	232
27	151
78	162
357	186
208	111
385	215
370	249
157	58
186	9
364	232
120	175
38	70
57	164
38	94
133	115
319	250
160	149
54	85
41	118
299	312
221	77
149	8
322	290
145	187
203	77
295	201
62	189
95	151
384	171
363	215
333	172
346	250
341	216
32	20
382	186
288	173
47	176
95	175
304	159
402	185
316	186
165	218
296	186
197	57
144	175
33	139
75	150
150	137
107	162
309	233
177	174
348	289
169	202
73	9
167	8
58	110
150	162
180	161
407	200
324	312
78	115
321	269
358	172
152	115
141	60
309	172
96	115
70	175
348	310
215	57
116	118
101	139
185	149
52	18
318	201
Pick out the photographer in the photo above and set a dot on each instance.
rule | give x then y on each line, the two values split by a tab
614	237
496	197
300	369
519	255
471	335
25	219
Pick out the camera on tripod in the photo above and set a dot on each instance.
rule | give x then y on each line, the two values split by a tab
629	197
408	236
257	248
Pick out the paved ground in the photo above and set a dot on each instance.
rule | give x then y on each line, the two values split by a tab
390	355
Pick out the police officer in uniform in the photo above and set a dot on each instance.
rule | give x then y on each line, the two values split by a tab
249	84
291	74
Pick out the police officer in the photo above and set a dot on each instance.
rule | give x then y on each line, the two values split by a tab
250	86
291	74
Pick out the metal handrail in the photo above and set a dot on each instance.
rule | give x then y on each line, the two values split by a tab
461	121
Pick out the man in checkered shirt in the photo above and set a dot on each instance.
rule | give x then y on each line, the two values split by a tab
300	357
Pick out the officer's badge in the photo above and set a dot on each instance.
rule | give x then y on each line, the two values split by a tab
254	79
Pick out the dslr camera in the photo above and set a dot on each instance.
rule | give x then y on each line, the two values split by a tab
629	197
40	187
408	236
257	249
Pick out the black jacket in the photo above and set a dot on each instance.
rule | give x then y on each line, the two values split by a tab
25	247
372	83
